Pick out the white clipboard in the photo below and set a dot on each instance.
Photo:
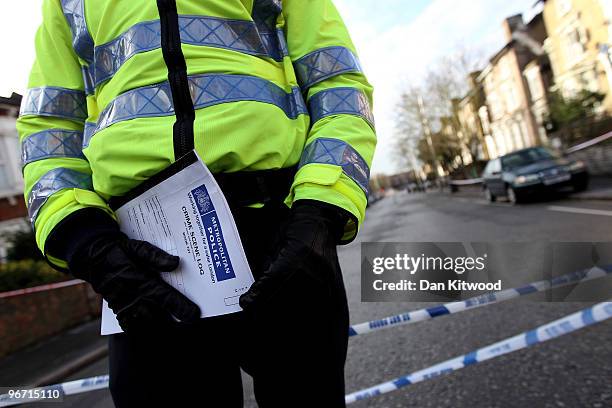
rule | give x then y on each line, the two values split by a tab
183	211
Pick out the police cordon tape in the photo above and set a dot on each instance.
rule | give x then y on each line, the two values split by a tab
523	340
563	326
557	328
479	301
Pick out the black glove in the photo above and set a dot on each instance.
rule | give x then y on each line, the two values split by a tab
124	271
308	246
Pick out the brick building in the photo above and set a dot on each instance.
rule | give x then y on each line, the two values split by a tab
12	205
468	111
507	119
578	44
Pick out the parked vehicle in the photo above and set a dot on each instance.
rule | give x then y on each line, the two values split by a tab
415	188
532	171
375	197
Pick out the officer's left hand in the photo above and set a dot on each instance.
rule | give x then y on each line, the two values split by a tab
308	247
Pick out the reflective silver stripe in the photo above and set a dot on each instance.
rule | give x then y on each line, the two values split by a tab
111	56
206	90
52	143
338	153
55	180
336	101
236	35
282	42
55	101
323	64
88	132
88	80
83	44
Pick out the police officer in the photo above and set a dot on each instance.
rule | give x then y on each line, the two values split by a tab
271	95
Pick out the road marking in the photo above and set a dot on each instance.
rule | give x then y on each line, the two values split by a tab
576	210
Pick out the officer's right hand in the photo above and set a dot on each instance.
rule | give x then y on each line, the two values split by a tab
126	273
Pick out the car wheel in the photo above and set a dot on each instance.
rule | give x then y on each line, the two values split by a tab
489	196
513	197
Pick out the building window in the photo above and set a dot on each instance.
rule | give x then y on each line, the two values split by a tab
535	85
508	138
8	145
491	147
575	48
5	173
495	105
563	7
512	102
518	139
483	114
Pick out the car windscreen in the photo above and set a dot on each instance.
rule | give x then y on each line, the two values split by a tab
525	158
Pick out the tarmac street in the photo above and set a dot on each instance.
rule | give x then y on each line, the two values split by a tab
572	371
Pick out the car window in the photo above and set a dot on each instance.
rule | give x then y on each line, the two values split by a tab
496	168
525	158
492	167
487	169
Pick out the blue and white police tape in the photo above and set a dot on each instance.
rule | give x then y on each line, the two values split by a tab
565	325
67	388
479	301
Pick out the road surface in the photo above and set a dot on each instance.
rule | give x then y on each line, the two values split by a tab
572	371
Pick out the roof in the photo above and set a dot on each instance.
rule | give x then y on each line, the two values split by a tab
501	52
495	58
536	19
13	100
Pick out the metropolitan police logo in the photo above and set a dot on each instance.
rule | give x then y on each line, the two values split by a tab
202	200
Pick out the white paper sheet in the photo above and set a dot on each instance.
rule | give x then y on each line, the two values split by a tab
187	215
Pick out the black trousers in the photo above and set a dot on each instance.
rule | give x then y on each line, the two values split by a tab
294	349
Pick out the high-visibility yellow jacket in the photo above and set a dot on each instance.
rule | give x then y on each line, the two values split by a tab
274	83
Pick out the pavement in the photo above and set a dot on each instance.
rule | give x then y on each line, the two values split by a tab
56	358
600	189
572	371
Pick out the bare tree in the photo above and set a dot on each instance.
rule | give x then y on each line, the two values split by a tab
442	85
409	128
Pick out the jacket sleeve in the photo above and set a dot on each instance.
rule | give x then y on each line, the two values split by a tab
57	176
334	166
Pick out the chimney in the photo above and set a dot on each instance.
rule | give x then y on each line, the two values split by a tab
512	25
472	79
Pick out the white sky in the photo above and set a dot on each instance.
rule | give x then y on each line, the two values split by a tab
396	40
395	47
18	23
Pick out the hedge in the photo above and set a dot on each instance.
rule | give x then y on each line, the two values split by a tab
28	273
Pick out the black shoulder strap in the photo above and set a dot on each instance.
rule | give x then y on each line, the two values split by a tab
177	77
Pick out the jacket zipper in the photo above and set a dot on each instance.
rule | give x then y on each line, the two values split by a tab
183	136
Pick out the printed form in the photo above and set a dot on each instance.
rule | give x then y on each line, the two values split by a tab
187	215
